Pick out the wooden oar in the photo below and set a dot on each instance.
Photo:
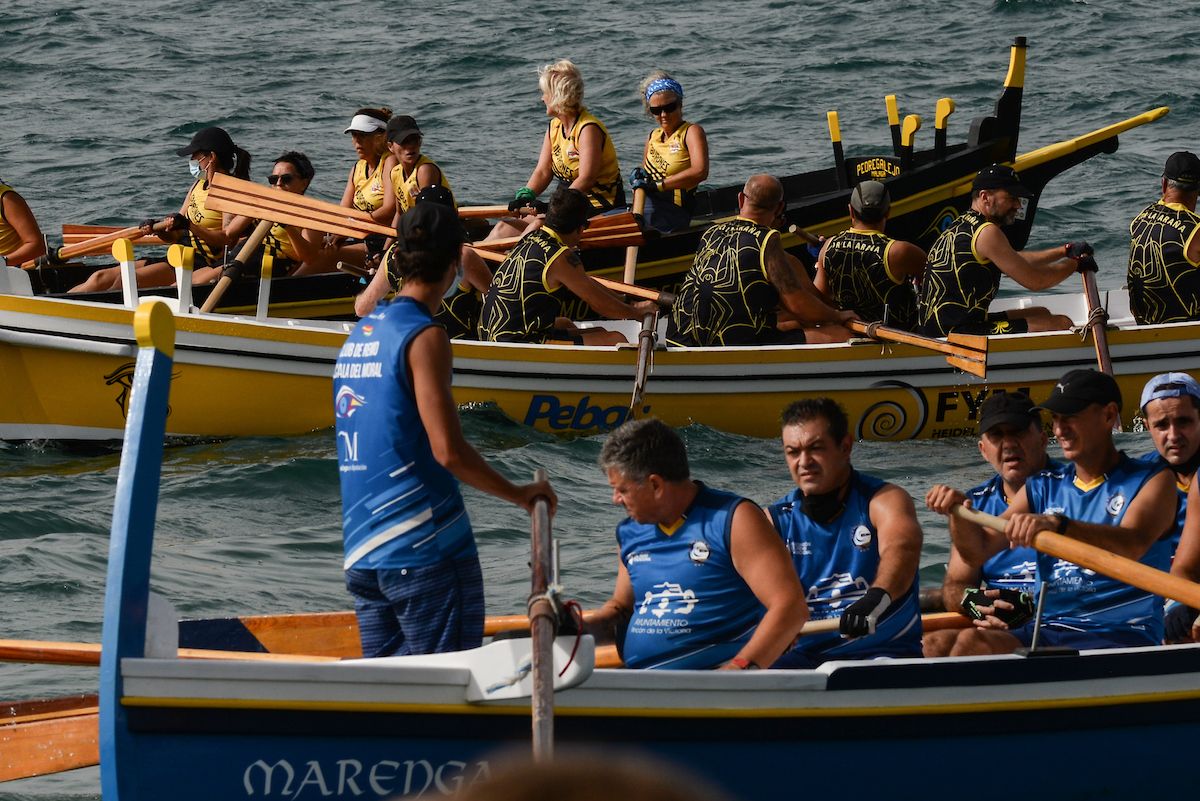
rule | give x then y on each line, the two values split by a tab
645	293
631	254
101	243
543	626
1096	321
253	241
646	340
73	234
47	736
233	195
1092	557
967	352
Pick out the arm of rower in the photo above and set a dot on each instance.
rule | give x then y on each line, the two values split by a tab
960	575
895	519
1150	515
905	260
591	143
387	210
16	211
821	280
1032	269
610	620
429	360
233	229
348	193
697	171
427	175
539	179
568	270
796	292
475	270
1187	555
762	561
376	291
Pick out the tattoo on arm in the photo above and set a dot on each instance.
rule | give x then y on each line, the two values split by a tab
779	271
573	258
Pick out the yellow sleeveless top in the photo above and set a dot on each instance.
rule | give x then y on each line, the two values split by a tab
9	240
199	213
406	185
608	190
279	243
368	188
668	155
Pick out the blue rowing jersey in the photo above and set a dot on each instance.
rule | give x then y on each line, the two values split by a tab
1012	568
1155	458
400	507
1081	600
691	608
837	563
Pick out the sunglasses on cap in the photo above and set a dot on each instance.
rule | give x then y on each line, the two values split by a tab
669	108
283	180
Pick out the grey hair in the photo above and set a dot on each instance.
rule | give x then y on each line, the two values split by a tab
641	448
1179	186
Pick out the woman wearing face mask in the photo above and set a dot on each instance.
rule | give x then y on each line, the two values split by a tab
291	251
211	233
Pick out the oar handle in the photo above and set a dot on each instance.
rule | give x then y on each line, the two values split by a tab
811	239
1092	557
631	253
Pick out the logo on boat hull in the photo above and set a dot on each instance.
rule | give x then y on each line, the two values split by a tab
552	413
123	378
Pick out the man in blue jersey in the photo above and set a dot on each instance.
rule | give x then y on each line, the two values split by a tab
1101	497
1171	409
854	540
1013	441
410	557
702	582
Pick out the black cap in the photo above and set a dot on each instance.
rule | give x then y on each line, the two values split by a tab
1011	408
435	193
871	198
209	140
1079	389
401	127
431	227
1001	176
1183	168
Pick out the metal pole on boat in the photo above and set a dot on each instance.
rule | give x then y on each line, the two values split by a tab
543	622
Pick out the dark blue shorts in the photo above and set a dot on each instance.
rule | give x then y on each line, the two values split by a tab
419	610
1082	640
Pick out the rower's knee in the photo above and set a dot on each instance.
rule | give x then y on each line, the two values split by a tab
938	643
1050	322
983	642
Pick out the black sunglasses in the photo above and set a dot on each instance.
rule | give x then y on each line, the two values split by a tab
282	180
670	108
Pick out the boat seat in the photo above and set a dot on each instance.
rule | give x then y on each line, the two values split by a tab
14	281
1117	303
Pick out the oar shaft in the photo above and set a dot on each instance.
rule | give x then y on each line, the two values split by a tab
645	293
1099	334
543	623
631	253
1092	557
253	241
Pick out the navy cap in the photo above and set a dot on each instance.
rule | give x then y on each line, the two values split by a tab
1079	389
209	140
1183	168
1012	408
1001	176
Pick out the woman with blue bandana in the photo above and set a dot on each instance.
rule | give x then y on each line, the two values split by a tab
675	159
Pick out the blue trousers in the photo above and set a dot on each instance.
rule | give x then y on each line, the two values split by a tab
419	610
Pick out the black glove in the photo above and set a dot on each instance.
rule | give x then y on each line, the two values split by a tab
148	224
374	243
1086	264
51	259
233	270
638	179
1020	614
1179	620
859	618
179	222
1077	250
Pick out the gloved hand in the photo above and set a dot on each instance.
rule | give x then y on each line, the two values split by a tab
639	179
51	259
859	618
232	270
374	243
521	198
1179	620
179	222
1077	250
1086	264
1020	613
147	225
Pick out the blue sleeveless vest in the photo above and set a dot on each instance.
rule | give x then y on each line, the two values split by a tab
1155	458
837	563
1082	600
1012	568
400	507
691	608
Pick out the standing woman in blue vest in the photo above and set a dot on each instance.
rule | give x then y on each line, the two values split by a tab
410	557
675	159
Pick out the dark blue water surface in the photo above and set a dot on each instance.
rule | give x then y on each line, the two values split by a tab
96	96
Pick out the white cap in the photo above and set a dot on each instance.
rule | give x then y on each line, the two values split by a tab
365	123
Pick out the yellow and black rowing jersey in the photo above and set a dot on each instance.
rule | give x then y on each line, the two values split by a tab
608	191
368	184
959	283
727	297
859	277
199	214
1164	284
668	155
278	243
406	185
519	306
458	314
10	240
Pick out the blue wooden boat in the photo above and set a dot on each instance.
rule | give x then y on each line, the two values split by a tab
1086	725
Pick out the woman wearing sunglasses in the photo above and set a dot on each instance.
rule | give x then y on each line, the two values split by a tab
675	159
210	233
576	149
290	250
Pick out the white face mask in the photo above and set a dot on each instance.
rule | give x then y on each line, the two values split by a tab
194	168
453	288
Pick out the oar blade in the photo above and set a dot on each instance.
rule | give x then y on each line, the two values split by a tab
976	367
972	341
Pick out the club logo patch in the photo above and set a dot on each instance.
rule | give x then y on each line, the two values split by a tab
347	403
699	552
1115	504
861	537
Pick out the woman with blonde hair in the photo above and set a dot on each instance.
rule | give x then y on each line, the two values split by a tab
674	160
576	149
